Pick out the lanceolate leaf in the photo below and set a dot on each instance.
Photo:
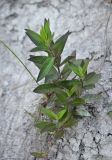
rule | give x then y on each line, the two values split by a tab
41	124
61	113
52	115
68	59
61	95
77	62
52	75
91	78
51	127
60	43
68	84
45	88
77	89
65	119
66	71
47	28
46	68
38	60
78	101
49	113
85	64
35	38
86	87
77	70
45	126
39	48
46	33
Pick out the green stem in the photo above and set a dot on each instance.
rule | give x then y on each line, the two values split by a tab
18	60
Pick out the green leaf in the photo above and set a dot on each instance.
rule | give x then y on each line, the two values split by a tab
78	101
64	120
68	59
42	124
77	62
49	128
61	95
39	48
77	89
52	75
60	43
85	64
45	88
45	126
61	113
46	33
35	38
43	34
77	70
68	84
86	87
91	78
38	60
82	113
46	68
49	113
73	86
47	28
52	115
66	71
39	154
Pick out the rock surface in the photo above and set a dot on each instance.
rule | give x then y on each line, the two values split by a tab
91	24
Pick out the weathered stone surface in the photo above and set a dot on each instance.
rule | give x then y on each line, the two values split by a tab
91	24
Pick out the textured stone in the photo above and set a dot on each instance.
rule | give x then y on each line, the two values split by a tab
91	24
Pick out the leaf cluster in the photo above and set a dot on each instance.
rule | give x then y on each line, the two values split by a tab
66	93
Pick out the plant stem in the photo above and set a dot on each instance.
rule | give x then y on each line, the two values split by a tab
59	72
18	59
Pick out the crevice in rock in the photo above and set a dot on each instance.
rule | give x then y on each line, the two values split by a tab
80	30
43	3
97	144
109	134
11	16
12	3
55	7
81	148
40	4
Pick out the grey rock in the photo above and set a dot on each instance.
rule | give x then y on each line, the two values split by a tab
91	24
